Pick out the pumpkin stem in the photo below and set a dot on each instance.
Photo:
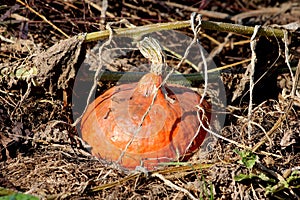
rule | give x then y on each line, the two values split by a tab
151	49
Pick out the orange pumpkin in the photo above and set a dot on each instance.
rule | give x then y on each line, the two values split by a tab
145	123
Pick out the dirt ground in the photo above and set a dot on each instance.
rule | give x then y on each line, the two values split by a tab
254	156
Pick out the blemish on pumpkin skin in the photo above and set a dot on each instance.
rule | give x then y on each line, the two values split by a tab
109	111
89	112
118	100
114	138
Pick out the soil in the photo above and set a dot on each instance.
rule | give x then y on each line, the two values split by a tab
251	156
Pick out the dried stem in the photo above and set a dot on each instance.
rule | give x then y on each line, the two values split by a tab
151	50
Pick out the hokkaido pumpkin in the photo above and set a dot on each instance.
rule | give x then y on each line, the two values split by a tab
145	123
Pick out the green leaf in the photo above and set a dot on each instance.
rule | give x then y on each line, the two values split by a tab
7	194
266	178
261	176
248	158
294	176
242	177
24	73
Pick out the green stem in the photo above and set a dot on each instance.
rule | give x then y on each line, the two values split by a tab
184	79
181	79
210	25
136	31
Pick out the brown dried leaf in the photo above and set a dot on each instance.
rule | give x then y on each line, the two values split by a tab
288	139
58	65
241	86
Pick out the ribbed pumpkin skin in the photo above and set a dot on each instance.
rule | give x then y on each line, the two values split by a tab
112	120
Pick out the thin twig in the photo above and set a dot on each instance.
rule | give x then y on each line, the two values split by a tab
29	83
228	66
263	11
172	185
207	13
99	8
43	18
163	171
218	49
